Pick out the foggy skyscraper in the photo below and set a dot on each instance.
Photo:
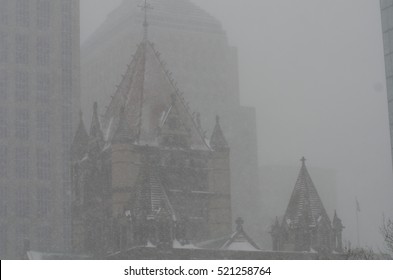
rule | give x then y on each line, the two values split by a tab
39	92
387	29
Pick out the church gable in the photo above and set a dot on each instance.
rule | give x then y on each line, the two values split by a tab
148	90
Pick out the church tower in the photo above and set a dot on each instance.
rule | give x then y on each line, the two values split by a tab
219	183
306	226
156	178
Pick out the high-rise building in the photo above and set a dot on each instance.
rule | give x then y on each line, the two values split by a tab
196	49
39	93
387	29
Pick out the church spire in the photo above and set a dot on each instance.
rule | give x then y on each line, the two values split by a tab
95	127
145	7
305	202
217	140
81	140
96	137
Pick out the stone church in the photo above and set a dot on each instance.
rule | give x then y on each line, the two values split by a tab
306	226
146	173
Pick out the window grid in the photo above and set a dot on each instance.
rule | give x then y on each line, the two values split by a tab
22	163
21	49
22	124
21	86
22	13
43	164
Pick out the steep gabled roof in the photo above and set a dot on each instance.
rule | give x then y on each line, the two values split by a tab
305	205
146	92
238	241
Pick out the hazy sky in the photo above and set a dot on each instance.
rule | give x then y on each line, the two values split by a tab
314	70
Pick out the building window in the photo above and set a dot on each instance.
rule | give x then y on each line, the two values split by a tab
43	88
3	84
66	86
3	47
43	164
22	202
43	14
21	86
22	163
22	13
22	124
21	49
43	50
3	123
4	12
43	202
43	126
66	6
3	165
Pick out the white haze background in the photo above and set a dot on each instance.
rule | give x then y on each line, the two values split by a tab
314	70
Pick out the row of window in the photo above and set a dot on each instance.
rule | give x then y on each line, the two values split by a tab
22	50
22	162
22	86
44	239
42	47
23	199
22	13
22	128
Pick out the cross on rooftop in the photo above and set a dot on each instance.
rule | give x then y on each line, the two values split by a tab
145	7
239	224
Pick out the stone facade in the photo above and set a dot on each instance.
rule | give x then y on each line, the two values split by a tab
145	173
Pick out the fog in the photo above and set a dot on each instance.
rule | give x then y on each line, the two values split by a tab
314	71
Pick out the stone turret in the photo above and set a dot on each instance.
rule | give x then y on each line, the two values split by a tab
337	231
275	232
80	142
217	140
96	138
219	183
